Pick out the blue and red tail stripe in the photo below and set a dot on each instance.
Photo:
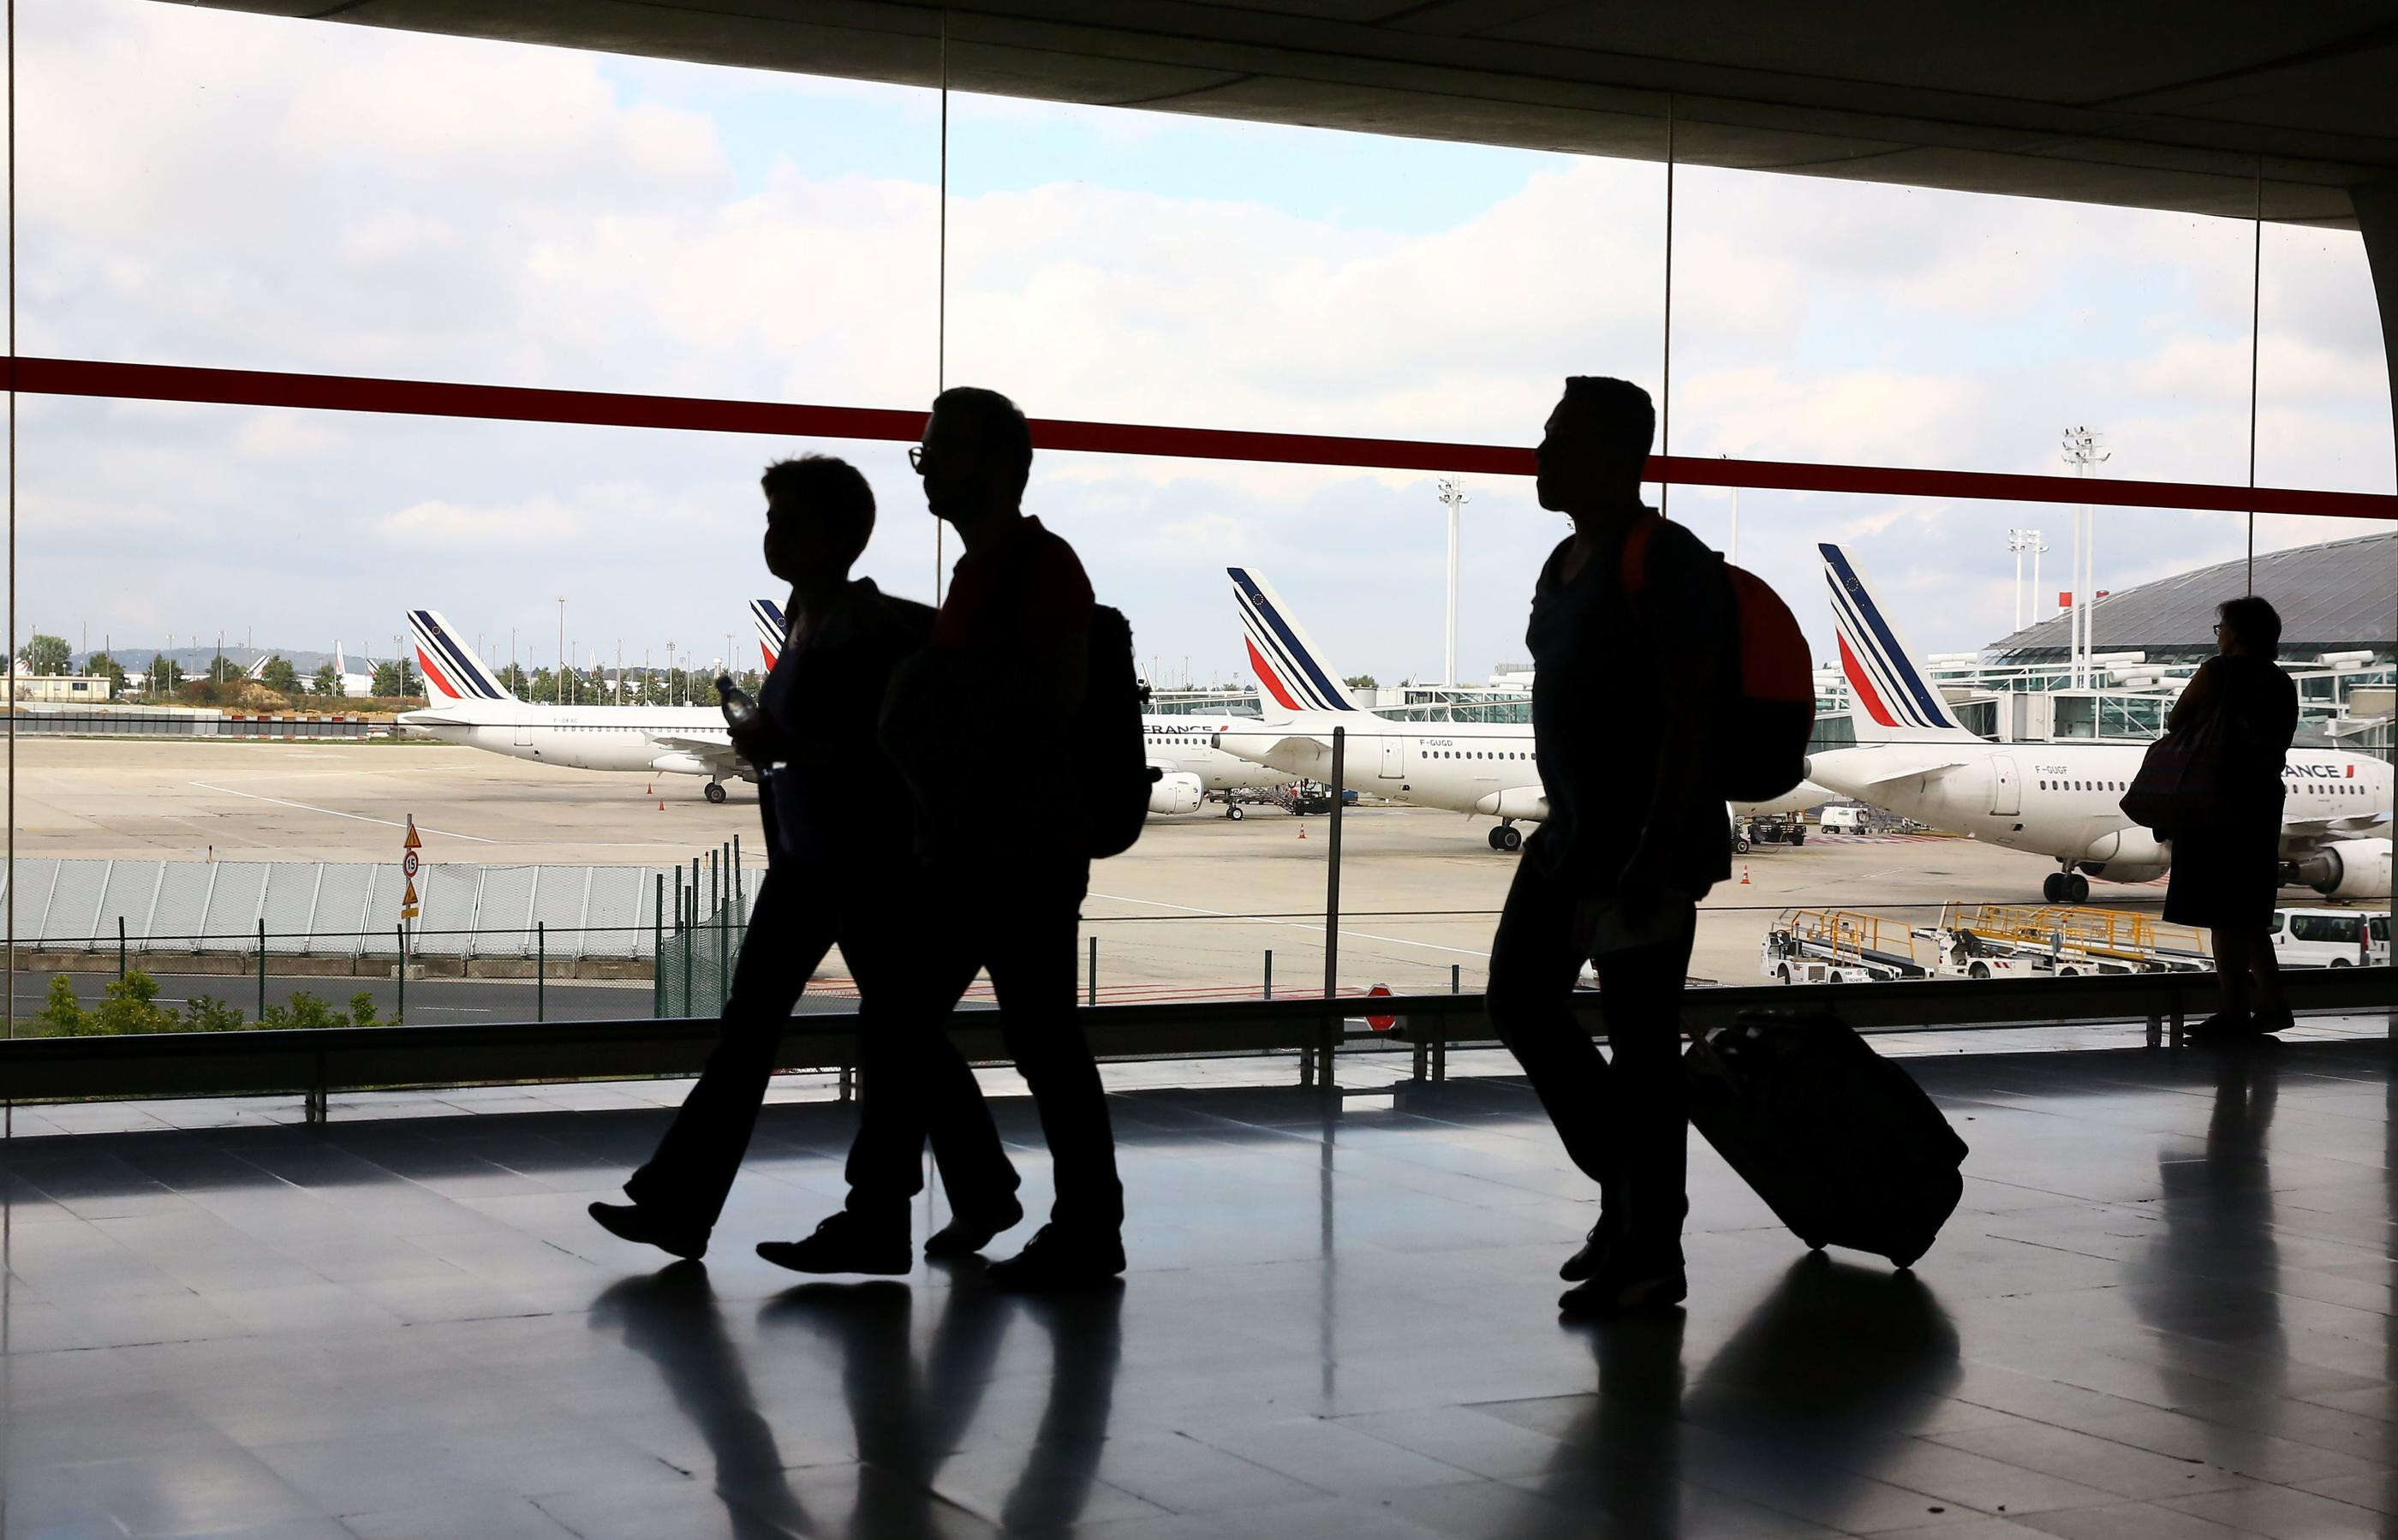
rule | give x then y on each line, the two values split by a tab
449	667
1286	669
767	616
1890	687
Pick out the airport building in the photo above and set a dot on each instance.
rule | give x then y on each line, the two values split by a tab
1999	1223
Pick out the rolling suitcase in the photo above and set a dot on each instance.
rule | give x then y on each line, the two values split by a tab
1840	1142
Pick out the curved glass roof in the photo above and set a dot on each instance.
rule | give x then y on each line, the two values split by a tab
2338	596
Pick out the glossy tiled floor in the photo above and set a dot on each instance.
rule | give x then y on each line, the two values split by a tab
2163	1311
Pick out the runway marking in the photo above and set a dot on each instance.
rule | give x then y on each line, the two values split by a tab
335	812
1293	924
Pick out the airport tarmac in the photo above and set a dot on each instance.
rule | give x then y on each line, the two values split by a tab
1191	912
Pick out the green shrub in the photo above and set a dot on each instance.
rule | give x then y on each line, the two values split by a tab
207	1013
63	1014
126	1006
362	1009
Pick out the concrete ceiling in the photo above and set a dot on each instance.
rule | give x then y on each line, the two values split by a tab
2175	104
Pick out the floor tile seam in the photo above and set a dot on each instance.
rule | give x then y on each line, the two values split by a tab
1327	1421
2278	1436
2372	1524
1945	1441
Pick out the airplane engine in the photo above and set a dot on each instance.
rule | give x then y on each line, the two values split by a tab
1175	792
2346	869
2126	856
679	764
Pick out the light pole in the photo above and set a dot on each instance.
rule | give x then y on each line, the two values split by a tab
1452	498
559	684
2081	450
2019	542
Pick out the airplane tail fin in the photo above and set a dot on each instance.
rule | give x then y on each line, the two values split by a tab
1290	667
1891	688
453	673
767	616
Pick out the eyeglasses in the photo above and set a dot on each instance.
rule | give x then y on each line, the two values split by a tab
916	458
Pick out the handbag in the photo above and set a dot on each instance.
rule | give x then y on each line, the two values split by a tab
2180	783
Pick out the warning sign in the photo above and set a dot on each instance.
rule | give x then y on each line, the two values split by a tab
407	869
1380	1023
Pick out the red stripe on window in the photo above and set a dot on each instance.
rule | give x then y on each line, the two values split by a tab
701	415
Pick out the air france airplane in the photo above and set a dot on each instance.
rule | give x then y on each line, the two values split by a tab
470	706
1180	748
2061	799
1483	767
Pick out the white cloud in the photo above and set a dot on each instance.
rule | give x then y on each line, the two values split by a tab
462	531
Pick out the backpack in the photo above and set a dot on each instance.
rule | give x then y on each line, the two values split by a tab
1765	711
1104	739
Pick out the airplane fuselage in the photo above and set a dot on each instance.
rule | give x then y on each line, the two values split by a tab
1186	745
2062	800
580	738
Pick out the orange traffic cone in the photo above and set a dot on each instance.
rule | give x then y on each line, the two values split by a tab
1303	830
662	805
1744	874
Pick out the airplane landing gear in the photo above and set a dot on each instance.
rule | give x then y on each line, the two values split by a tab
715	792
1506	837
1232	811
2066	888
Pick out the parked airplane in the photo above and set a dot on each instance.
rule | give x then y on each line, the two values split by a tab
2060	800
1181	750
1470	766
354	686
470	706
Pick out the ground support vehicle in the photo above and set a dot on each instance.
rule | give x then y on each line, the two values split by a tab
1836	946
2329	937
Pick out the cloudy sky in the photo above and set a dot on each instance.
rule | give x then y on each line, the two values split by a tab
303	196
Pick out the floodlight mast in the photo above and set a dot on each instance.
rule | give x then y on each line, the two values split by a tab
1452	498
2081	450
2020	541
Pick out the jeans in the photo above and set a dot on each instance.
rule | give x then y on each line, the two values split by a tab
802	911
1625	1121
1022	928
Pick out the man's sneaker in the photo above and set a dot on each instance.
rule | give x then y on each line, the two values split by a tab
648	1227
844	1243
1603	1236
1055	1258
1626	1286
968	1234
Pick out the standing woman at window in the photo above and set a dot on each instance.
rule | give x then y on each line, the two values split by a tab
2225	873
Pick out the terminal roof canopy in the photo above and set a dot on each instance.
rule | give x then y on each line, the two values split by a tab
2338	596
2177	104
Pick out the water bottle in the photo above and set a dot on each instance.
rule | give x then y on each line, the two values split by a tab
740	709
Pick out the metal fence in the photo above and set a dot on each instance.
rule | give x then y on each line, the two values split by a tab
189	722
695	953
329	909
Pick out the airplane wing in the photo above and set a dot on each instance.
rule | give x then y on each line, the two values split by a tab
1909	770
717	753
2363	824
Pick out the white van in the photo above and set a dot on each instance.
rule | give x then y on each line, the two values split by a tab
1834	820
2329	937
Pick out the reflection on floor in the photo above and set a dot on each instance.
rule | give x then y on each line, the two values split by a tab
2163	1311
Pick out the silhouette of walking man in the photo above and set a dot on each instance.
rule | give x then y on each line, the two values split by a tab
1634	837
829	878
1012	643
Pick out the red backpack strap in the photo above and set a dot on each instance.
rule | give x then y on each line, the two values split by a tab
1632	570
